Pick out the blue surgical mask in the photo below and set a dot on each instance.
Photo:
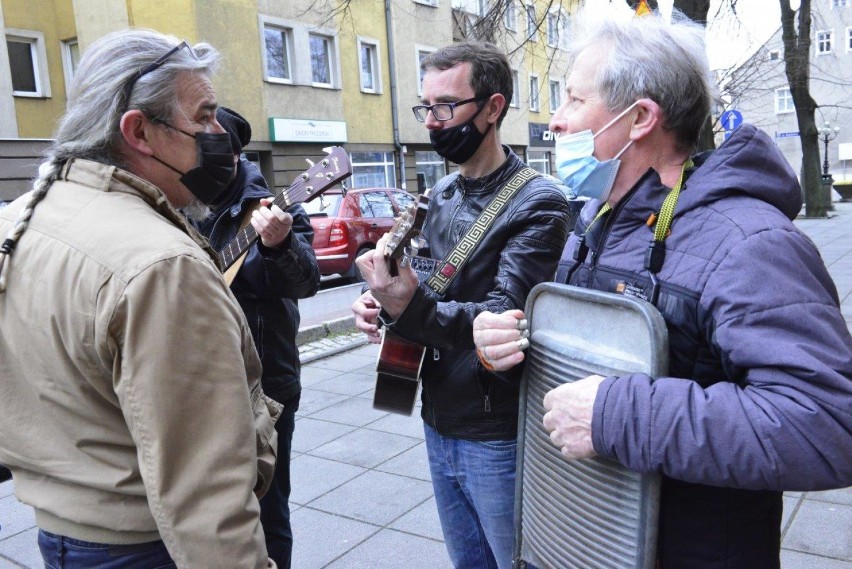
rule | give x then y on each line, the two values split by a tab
577	167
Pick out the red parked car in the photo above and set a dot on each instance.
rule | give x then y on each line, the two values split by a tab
346	226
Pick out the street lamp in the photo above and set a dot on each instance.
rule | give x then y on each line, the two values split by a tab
827	134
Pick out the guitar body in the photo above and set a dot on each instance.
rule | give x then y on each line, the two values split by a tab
398	374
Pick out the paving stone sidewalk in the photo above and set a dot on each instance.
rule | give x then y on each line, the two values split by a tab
361	491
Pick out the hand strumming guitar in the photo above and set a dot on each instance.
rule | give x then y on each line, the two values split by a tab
366	310
392	293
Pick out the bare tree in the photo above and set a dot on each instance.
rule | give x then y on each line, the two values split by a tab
797	66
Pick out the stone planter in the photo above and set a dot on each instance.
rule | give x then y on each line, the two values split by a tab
844	189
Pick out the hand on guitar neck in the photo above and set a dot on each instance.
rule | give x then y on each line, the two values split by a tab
271	223
393	283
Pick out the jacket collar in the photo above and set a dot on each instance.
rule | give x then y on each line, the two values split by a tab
107	178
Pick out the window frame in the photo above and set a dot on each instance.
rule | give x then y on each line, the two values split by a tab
791	108
376	70
544	160
389	168
827	39
532	25
289	48
418	49
436	162
69	66
328	41
554	104
848	39
515	103
553	28
535	96
38	52
511	23
430	3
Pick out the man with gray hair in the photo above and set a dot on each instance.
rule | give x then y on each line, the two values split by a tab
758	392
131	410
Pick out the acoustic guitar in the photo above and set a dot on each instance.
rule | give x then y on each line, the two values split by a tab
321	176
400	360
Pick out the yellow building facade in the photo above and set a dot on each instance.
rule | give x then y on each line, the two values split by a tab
304	76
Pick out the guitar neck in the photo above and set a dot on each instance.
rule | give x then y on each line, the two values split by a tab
333	168
246	237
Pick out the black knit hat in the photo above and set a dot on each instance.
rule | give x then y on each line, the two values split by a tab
236	126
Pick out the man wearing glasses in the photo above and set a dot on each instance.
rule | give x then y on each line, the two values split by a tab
470	414
131	410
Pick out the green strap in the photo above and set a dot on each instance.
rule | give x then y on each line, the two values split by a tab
666	216
458	256
655	256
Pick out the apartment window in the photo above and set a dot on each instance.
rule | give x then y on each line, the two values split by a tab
848	39
373	170
516	90
431	165
555	95
823	42
534	102
278	47
774	55
427	2
28	63
783	101
510	16
70	60
481	7
839	3
553	29
422	53
539	161
531	23
320	47
368	60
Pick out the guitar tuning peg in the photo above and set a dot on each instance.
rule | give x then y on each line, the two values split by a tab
310	162
328	149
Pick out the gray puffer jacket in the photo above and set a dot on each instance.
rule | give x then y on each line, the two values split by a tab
759	398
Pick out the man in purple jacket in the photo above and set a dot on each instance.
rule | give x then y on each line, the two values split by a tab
759	398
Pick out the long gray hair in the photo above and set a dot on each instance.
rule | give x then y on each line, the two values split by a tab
648	57
98	99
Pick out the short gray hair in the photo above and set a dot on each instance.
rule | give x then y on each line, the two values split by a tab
651	58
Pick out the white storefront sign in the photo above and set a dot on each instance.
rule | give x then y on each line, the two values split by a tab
306	130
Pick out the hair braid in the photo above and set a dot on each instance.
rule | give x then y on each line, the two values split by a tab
47	174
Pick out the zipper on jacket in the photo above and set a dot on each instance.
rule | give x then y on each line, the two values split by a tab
607	227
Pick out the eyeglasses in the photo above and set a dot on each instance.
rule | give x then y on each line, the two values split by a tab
128	89
441	111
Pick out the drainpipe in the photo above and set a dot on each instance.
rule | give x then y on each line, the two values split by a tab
400	150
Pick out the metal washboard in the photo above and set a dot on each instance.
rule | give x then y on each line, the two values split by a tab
591	513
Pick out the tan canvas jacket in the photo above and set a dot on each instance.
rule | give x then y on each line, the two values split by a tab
130	400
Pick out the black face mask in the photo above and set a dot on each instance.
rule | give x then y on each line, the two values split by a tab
210	178
458	143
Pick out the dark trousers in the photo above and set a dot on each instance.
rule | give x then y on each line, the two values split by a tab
68	553
275	506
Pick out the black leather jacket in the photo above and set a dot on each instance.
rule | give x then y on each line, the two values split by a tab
460	398
270	281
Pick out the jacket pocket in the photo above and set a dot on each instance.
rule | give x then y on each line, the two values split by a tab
266	412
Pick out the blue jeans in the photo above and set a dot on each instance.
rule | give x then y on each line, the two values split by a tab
61	552
474	484
275	504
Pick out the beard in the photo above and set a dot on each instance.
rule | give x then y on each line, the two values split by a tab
196	210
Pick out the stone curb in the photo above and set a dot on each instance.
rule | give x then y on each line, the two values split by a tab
324	348
310	334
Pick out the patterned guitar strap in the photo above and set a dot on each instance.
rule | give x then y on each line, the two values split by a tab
447	269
